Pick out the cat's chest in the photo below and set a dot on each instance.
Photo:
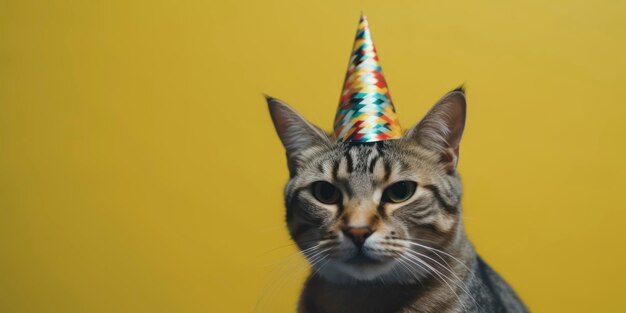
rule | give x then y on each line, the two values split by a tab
355	307
318	297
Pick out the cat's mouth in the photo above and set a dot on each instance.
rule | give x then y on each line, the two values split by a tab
362	259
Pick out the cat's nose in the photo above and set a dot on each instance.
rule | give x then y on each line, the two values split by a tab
358	234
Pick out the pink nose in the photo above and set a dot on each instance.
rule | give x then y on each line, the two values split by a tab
358	234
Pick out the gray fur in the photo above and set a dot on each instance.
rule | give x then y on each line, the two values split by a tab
418	258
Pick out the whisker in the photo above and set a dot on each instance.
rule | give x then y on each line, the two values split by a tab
408	270
311	254
462	283
321	266
449	269
291	256
314	240
277	283
313	258
439	274
411	241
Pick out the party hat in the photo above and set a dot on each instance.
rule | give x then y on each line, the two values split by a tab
365	113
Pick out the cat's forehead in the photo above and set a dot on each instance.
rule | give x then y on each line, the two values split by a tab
366	161
358	158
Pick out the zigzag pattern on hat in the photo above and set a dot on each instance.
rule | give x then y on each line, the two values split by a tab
365	113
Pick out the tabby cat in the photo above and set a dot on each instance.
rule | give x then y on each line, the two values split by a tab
380	223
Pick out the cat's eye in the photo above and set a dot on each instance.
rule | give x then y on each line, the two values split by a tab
326	192
399	192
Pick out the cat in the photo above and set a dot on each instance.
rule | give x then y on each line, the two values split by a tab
380	223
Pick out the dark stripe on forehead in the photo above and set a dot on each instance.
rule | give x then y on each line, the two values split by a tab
349	161
437	193
387	169
373	164
320	167
380	147
336	168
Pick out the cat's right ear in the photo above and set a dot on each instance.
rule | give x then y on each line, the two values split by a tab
442	127
298	136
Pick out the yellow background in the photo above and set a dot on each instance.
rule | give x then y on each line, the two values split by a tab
139	170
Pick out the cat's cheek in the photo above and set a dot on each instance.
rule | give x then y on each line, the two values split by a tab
445	222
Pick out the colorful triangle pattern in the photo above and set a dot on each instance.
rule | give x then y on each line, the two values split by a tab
365	112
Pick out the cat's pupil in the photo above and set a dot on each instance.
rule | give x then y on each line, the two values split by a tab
325	192
399	192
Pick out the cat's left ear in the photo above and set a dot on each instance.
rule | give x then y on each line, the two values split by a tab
298	136
442	128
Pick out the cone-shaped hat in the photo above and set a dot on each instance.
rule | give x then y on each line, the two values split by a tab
365	112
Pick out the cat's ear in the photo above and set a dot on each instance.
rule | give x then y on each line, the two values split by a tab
299	137
442	128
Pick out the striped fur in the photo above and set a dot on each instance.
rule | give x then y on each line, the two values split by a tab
418	258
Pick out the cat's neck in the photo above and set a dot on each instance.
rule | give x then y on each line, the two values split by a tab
320	295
